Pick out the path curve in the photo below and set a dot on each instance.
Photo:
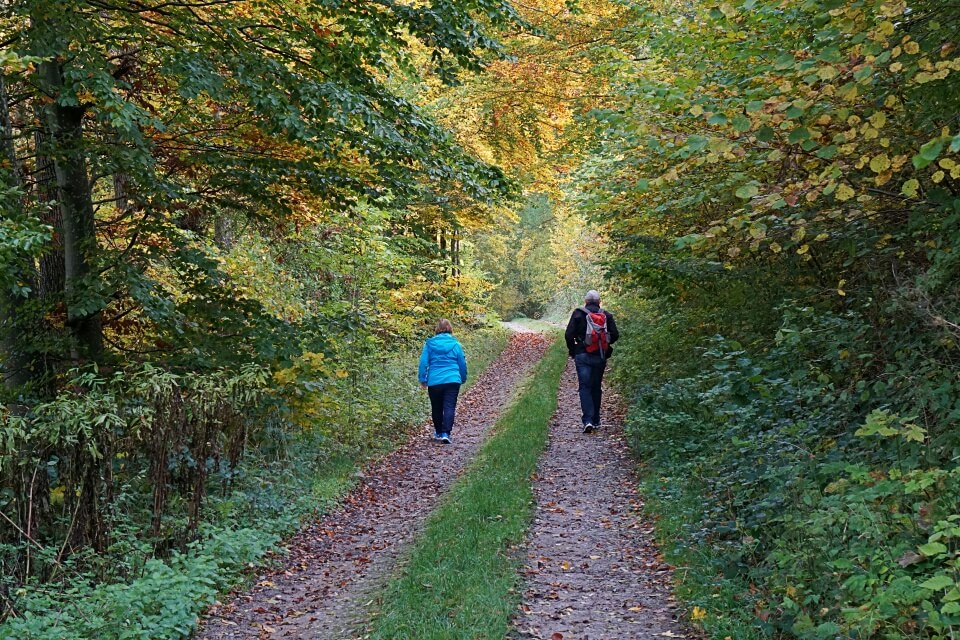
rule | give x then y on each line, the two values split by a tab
593	571
335	563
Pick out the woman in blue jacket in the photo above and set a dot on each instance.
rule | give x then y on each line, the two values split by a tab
443	368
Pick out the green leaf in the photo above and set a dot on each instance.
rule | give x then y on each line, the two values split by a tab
765	134
697	143
936	583
828	153
932	549
798	135
747	191
928	153
742	123
717	119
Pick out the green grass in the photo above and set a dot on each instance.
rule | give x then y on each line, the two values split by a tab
460	580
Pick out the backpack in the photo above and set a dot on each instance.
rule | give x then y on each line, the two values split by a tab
596	338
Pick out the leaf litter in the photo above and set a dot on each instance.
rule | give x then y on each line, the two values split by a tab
593	571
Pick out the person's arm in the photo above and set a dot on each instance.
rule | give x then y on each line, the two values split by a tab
424	361
570	335
612	328
462	361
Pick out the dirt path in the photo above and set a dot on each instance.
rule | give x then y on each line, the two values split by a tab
335	563
592	571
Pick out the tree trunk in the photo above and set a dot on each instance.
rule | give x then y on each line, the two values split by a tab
52	278
65	127
456	255
223	232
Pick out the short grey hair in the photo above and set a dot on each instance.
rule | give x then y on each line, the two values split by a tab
592	296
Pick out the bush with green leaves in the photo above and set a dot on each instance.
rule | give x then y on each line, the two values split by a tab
795	493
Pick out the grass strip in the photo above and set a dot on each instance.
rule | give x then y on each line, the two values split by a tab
461	578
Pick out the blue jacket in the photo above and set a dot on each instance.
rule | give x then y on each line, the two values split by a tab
442	361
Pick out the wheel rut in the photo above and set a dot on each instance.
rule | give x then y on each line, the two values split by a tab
592	567
326	581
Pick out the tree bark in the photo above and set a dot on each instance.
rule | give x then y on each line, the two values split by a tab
52	276
223	235
65	127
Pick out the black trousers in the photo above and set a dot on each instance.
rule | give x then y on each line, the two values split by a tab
590	368
443	402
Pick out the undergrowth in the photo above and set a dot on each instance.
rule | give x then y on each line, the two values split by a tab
798	492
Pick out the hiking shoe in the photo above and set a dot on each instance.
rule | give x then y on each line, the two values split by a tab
588	428
436	436
445	438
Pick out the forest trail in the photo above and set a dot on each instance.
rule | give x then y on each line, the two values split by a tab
593	571
334	564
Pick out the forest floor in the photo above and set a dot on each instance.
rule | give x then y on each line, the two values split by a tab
592	568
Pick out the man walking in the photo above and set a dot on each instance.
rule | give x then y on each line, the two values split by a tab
589	334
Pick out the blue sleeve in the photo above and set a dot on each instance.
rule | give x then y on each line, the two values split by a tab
424	360
462	361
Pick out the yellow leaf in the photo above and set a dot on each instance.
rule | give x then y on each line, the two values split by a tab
910	188
827	73
803	249
938	177
878	119
912	48
698	613
844	193
880	163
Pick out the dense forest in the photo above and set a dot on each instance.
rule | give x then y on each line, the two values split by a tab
226	226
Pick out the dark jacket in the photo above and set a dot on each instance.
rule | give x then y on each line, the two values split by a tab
576	331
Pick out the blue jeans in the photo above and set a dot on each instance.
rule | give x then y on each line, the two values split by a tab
590	368
443	402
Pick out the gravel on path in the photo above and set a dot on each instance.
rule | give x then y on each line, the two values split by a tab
593	571
334	564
